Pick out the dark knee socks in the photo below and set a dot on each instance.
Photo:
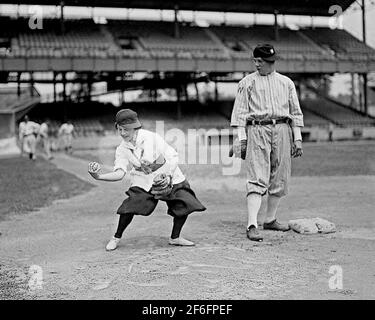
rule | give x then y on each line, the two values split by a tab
123	222
178	223
125	219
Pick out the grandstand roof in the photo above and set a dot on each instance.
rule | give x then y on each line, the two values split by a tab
295	7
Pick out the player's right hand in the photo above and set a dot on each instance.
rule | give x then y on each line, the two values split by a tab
243	144
94	169
238	149
297	150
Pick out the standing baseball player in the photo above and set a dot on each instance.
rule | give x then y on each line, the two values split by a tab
153	168
21	129
43	137
269	119
27	135
66	135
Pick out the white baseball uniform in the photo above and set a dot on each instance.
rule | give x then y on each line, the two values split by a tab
28	130
66	133
43	136
149	146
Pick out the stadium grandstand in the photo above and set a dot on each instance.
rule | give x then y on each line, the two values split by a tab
14	104
172	55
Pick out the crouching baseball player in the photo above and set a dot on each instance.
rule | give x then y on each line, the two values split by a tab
153	168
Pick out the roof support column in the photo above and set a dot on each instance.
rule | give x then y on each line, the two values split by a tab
54	86
352	91
276	27
32	84
196	90
216	92
365	99
364	21
62	17
176	25
90	80
178	94
64	85
18	84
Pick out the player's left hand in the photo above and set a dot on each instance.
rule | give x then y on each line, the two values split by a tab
297	150
162	186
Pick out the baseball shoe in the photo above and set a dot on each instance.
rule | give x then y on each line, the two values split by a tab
181	242
275	225
253	234
112	244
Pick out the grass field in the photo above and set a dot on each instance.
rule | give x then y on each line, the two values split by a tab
27	185
323	159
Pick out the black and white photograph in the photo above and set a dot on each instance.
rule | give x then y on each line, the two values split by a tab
205	152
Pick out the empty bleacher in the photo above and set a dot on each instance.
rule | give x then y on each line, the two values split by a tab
311	119
158	39
341	43
290	44
336	113
81	38
87	127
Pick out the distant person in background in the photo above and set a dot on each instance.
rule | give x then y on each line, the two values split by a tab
21	129
27	134
66	135
43	137
330	131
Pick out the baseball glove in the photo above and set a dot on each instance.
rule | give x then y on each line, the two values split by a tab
238	149
162	186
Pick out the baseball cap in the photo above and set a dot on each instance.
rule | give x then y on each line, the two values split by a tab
266	52
128	118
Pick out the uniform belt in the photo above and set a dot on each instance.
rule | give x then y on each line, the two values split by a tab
253	122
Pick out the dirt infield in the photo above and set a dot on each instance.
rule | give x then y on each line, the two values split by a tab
66	241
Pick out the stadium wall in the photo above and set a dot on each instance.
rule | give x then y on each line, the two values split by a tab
175	65
8	139
7	125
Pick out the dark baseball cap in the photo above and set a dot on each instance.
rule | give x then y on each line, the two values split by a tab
265	51
128	118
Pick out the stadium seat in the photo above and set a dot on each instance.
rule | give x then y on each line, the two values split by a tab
290	44
158	38
342	43
336	112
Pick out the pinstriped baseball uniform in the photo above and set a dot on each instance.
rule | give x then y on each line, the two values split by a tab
266	97
268	155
